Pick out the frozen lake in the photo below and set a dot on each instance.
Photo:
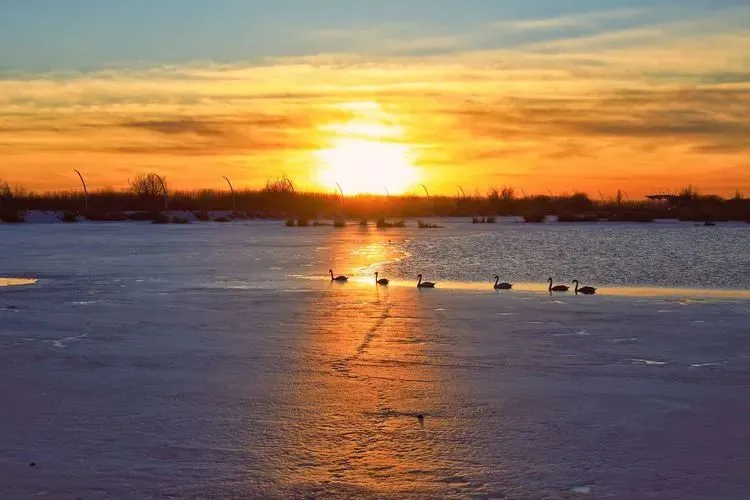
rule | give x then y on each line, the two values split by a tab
218	361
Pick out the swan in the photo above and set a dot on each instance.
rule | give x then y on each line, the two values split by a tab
586	290
337	278
424	284
502	286
557	288
381	281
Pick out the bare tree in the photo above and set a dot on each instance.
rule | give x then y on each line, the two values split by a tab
148	186
507	193
6	193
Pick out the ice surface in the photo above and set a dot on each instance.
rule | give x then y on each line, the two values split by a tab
42	217
217	361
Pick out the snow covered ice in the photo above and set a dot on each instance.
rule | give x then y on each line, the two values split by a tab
219	361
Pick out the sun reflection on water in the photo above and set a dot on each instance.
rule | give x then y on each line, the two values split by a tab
368	378
367	372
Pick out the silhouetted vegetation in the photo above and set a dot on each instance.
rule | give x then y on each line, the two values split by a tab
577	218
143	216
237	215
180	220
151	189
631	216
278	199
148	186
160	218
69	217
107	216
11	216
6	193
381	223
426	225
201	215
483	220
537	218
8	211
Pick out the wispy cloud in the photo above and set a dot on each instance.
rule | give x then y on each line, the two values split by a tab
179	126
583	20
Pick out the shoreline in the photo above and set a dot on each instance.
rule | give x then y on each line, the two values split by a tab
223	216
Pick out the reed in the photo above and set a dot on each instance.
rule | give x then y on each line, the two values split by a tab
427	225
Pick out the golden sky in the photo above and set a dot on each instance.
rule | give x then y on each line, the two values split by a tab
648	107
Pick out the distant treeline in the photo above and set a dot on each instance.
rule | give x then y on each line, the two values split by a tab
279	199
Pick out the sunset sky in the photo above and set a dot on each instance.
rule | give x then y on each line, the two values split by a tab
541	95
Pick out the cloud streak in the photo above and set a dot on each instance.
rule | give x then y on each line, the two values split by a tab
586	20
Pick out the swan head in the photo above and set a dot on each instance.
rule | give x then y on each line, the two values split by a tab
575	282
549	279
419	275
496	277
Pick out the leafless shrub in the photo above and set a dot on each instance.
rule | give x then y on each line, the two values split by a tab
280	185
507	193
148	185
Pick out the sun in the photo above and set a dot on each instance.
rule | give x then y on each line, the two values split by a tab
367	166
367	154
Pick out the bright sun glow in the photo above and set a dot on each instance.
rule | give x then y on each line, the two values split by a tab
367	154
